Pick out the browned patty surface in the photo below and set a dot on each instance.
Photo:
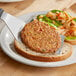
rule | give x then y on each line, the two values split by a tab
40	37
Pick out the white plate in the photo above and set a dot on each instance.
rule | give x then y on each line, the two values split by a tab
10	0
6	39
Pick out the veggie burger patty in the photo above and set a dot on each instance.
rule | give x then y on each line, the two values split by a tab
40	37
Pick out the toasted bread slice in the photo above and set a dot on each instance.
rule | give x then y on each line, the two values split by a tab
66	52
73	42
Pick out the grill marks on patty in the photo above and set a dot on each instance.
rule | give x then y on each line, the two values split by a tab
40	37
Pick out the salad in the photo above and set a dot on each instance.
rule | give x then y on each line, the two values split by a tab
63	22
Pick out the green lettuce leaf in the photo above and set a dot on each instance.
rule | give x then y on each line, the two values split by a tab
70	38
54	11
57	23
47	19
74	20
40	15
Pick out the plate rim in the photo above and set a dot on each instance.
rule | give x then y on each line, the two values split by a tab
10	1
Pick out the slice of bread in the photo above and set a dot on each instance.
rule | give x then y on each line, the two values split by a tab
66	52
73	42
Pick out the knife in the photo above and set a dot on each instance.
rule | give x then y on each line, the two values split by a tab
14	24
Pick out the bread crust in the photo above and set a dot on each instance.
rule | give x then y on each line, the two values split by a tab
73	42
40	58
40	37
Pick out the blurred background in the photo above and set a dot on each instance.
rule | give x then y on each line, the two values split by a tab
19	7
9	67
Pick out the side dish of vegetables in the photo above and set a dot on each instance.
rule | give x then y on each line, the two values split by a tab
60	20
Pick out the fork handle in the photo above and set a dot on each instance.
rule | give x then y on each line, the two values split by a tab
1	11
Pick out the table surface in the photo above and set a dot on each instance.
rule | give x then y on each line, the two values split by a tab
9	67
